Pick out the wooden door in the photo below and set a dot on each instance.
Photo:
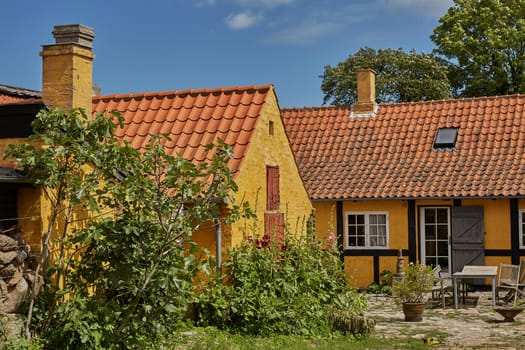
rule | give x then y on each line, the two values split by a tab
467	237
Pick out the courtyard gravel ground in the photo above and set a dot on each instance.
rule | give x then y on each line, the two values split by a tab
475	325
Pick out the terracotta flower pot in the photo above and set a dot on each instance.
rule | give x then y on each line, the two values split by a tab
413	311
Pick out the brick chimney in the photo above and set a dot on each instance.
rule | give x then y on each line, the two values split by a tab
67	68
366	92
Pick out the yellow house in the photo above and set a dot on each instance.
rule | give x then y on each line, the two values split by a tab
66	83
441	180
246	118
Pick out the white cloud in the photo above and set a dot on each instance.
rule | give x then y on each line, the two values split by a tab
204	3
242	20
306	33
428	8
264	3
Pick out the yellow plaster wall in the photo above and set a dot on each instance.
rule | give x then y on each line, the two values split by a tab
389	263
267	150
325	219
359	270
29	213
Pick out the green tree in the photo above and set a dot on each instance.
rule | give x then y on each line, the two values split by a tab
485	43
118	259
400	77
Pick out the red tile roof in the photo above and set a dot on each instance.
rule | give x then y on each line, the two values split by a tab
392	155
192	119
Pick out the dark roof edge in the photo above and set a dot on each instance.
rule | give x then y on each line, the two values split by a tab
413	198
18	91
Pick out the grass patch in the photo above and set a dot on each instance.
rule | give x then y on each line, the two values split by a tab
212	338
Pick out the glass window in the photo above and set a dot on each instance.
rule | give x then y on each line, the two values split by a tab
435	228
446	137
366	230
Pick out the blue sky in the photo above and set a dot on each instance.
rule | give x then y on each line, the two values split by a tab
181	44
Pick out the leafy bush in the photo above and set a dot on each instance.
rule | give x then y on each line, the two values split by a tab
384	286
348	322
271	287
418	279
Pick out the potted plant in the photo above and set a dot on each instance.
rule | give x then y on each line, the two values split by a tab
410	290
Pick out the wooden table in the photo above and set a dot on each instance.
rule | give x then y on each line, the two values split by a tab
475	272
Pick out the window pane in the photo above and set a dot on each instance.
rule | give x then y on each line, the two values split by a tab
361	241
443	262
381	219
430	216
430	232
351	220
442	216
430	248
443	248
372	220
446	137
373	231
360	219
360	230
442	232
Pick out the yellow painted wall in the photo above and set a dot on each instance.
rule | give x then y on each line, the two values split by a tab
30	217
360	270
325	219
270	150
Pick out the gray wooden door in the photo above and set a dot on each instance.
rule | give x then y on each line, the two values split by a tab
467	237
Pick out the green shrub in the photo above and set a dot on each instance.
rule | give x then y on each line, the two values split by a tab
348	322
384	286
20	344
272	287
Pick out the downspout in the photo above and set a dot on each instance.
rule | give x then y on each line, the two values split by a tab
218	240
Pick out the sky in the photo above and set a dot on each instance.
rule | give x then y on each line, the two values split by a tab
159	45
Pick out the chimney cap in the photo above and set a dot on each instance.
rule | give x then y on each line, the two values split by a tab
74	34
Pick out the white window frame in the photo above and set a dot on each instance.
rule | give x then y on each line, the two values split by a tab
522	240
367	230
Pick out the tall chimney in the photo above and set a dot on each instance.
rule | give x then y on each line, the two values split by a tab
366	92
67	68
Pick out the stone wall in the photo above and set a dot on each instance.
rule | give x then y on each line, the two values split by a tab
17	271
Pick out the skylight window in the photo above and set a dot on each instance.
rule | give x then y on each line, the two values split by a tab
446	138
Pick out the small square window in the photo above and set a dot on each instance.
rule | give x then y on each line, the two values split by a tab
446	138
366	230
